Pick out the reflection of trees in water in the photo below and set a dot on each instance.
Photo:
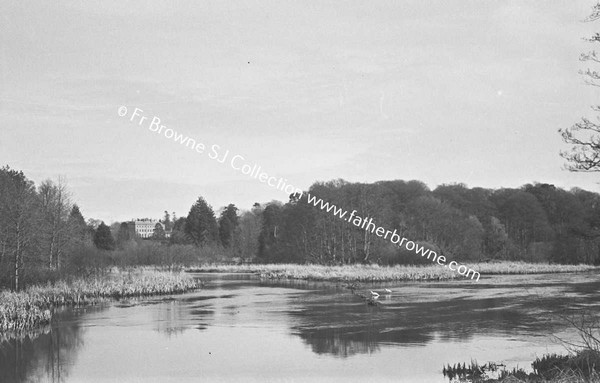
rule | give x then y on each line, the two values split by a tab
340	342
360	339
175	318
342	328
169	319
43	356
339	326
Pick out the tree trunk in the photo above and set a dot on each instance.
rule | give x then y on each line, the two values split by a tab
367	246
51	249
17	258
3	253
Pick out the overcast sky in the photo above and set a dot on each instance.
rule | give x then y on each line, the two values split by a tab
439	91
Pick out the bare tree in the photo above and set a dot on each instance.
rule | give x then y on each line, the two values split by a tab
588	327
584	136
56	205
19	219
248	231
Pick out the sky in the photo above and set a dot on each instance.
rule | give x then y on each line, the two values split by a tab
458	91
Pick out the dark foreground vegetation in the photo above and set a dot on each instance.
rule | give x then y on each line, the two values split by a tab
581	364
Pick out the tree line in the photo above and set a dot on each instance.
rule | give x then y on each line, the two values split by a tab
41	230
535	223
44	235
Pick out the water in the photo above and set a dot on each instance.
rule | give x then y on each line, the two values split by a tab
242	329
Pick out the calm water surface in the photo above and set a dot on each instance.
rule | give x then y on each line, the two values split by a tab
241	329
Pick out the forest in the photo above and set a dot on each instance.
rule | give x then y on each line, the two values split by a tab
534	223
44	236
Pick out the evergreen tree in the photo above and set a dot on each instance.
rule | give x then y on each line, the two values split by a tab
159	232
77	226
124	234
103	238
167	221
228	224
178	235
201	224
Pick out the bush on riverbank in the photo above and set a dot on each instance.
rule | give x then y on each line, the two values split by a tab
33	307
584	364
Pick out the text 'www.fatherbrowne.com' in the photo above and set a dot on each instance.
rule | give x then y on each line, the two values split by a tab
394	237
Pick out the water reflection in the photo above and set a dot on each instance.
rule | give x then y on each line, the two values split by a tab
341	342
175	318
238	325
335	323
44	356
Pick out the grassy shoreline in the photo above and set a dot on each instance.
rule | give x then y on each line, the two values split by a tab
578	366
33	307
375	273
360	273
497	268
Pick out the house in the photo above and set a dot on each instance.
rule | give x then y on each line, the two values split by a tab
144	228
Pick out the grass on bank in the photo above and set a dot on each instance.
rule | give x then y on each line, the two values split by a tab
582	366
33	307
361	273
375	273
507	267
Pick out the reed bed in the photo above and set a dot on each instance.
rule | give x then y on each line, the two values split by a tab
507	267
347	273
577	367
375	273
33	307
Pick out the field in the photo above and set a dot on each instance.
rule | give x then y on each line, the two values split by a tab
33	307
375	273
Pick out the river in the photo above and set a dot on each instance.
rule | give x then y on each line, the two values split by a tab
239	328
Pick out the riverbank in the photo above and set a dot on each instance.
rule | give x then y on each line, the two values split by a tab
375	273
29	309
495	268
348	273
581	366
